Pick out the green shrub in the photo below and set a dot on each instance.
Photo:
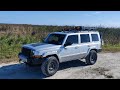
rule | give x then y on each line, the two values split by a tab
13	36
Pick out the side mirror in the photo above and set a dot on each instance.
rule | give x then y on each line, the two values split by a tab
67	44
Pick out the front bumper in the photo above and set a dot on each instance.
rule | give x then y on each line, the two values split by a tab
22	58
29	60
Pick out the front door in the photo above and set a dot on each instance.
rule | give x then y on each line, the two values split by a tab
70	52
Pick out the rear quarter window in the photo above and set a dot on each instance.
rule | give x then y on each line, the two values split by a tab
94	37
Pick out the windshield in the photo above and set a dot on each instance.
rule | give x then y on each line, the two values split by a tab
56	39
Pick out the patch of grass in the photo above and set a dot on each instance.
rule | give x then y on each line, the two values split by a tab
111	48
13	36
10	46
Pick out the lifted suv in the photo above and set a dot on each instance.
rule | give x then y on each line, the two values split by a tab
60	47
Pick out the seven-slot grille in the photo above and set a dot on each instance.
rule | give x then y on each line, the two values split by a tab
27	52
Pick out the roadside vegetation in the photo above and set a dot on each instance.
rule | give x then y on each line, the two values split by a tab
13	36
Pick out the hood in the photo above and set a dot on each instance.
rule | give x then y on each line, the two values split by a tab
41	46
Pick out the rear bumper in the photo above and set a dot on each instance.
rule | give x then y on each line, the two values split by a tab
34	61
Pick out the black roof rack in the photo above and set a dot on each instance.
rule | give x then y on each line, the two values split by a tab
78	29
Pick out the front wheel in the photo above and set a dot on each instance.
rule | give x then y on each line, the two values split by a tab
50	66
91	57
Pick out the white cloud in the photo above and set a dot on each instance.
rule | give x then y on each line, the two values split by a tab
97	12
88	15
93	13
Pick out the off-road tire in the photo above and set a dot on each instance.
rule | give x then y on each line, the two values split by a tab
45	67
91	57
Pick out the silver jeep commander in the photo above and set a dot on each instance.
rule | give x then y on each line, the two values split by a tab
60	47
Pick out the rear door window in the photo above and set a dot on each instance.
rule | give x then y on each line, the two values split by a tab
85	38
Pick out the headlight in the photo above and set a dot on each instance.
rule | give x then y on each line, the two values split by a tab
32	52
36	52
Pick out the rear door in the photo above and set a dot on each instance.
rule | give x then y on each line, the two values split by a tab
84	44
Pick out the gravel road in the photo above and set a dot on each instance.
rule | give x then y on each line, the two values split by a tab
107	67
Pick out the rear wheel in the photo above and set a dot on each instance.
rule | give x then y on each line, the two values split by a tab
50	66
91	57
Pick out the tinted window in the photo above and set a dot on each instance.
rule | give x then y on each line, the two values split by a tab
72	39
94	37
85	38
55	39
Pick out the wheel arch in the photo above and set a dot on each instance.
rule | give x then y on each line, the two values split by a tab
54	56
94	49
90	50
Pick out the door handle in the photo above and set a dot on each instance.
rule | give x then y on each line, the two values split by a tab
88	45
76	47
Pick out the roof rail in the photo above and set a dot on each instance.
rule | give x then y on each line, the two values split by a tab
78	29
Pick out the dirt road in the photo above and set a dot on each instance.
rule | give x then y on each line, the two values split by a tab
107	67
